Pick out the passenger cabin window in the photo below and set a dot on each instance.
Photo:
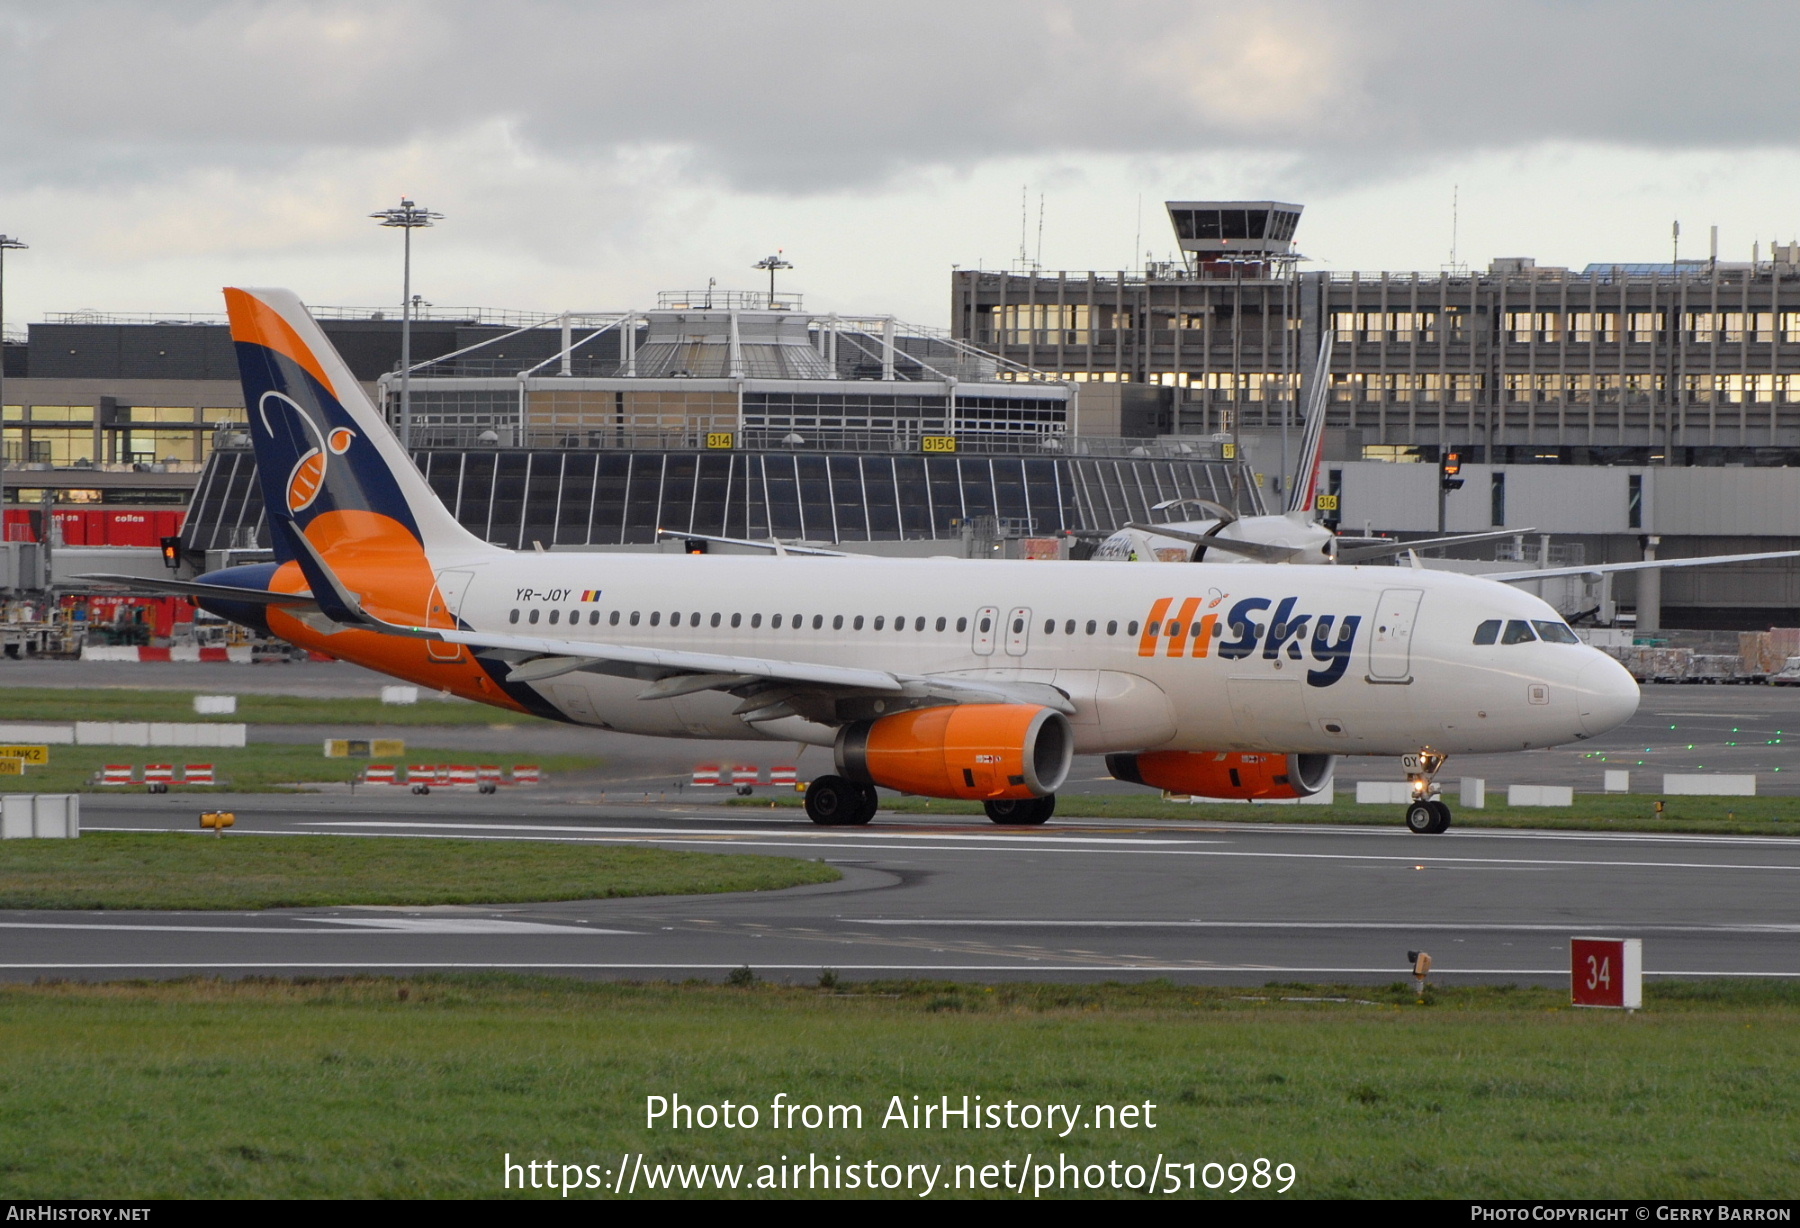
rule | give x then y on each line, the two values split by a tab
554	615
655	617
513	617
1488	631
1131	627
775	622
1112	627
1049	626
986	626
962	624
613	618
1518	631
634	618
880	621
532	617
737	620
940	623
919	623
594	618
1555	633
857	624
837	622
818	622
694	619
715	620
755	621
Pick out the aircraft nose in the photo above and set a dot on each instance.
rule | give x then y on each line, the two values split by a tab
1608	695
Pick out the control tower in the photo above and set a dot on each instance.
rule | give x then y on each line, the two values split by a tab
1236	232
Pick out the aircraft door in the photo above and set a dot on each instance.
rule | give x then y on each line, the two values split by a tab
1018	631
985	618
1390	648
446	608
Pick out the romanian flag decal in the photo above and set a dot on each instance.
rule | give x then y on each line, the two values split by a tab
590	594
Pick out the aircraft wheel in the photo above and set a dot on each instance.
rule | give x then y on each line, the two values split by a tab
869	803
1422	819
832	801
1443	815
421	790
488	786
1022	812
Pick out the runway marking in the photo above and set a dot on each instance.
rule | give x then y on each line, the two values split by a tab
352	927
1044	844
1460	926
1387	970
799	834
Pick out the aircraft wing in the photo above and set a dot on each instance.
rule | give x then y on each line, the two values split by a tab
188	588
1359	551
674	672
1256	550
1600	569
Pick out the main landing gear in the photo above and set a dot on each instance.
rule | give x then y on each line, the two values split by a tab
832	801
1024	812
1426	814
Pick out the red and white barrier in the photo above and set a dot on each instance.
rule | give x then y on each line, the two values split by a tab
159	773
379	774
526	774
462	774
744	774
420	774
783	776
187	652
704	777
117	774
489	774
197	774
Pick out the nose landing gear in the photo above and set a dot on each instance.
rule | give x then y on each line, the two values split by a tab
1426	813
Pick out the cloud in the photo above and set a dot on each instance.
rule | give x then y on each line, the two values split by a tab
816	96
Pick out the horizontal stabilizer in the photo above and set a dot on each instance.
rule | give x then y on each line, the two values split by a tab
190	588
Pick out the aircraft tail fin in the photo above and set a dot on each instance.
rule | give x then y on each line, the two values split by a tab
1303	493
327	462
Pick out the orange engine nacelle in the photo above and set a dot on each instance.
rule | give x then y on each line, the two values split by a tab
980	751
1233	775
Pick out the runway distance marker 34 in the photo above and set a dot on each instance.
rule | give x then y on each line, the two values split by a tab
976	679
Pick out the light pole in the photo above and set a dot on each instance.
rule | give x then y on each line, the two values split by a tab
7	243
772	263
408	217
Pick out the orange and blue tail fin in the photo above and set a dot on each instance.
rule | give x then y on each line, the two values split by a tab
327	462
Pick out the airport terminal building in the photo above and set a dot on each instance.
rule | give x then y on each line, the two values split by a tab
1613	410
1616	407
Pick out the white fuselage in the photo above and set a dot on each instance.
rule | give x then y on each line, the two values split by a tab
1333	660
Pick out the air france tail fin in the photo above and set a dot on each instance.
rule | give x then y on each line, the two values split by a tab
1305	488
327	462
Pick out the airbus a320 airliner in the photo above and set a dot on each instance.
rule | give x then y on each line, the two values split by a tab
942	677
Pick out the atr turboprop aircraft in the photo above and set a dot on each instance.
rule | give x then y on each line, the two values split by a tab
943	677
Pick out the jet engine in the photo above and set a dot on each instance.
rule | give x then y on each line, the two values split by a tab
1222	774
986	752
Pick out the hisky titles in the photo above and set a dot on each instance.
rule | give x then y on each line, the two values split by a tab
962	1112
1276	628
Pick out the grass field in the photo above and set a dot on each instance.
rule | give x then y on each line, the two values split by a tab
420	1087
128	704
260	768
1770	816
112	870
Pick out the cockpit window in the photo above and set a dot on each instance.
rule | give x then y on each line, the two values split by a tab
1488	631
1555	633
1518	631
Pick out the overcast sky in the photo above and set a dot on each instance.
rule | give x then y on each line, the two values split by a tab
590	154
